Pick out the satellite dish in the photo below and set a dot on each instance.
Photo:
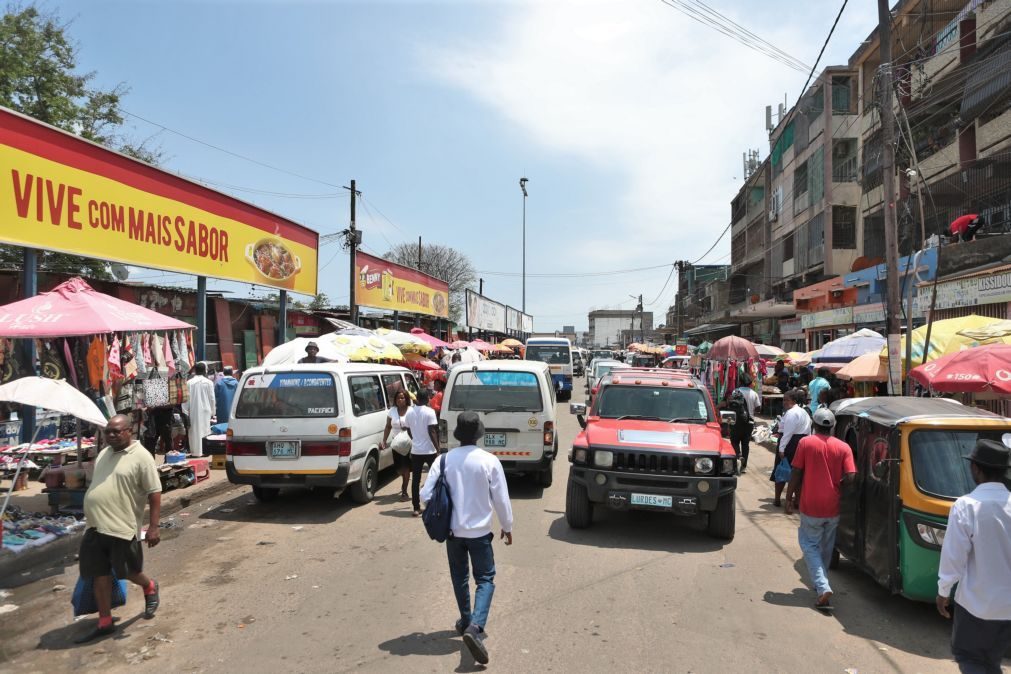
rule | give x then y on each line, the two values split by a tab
119	271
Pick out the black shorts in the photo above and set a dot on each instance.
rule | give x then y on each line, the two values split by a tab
103	555
401	461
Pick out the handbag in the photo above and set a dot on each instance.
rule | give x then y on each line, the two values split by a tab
178	390
124	399
401	443
83	599
783	471
438	513
155	390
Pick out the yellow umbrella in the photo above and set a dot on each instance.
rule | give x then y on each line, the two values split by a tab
868	367
512	343
405	341
949	336
360	347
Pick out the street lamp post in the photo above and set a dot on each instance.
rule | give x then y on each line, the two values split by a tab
523	186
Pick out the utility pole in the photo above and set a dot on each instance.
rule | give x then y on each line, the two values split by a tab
480	287
642	333
354	237
523	186
419	254
887	115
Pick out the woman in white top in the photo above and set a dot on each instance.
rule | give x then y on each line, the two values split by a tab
395	423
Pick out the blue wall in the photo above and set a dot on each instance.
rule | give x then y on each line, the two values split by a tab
870	282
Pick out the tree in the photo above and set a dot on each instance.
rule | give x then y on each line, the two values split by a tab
444	263
320	302
39	78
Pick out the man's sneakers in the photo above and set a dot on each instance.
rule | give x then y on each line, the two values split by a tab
473	637
151	601
461	626
824	603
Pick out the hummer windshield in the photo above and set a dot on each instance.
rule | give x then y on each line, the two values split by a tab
653	403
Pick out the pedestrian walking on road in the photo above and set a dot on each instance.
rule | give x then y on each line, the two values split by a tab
821	467
746	403
396	422
817	385
125	479
224	393
200	408
793	425
423	427
477	486
976	554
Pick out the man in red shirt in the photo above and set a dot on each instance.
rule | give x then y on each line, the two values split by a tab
823	464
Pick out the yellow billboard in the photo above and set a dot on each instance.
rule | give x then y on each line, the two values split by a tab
59	192
390	286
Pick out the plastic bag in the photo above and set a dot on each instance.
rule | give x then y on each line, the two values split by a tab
83	599
401	443
783	470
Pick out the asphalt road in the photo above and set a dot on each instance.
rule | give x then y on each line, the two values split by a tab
307	584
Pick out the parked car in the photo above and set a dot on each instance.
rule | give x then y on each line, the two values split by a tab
312	426
516	403
652	441
578	366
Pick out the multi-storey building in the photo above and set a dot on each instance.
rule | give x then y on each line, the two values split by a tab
607	326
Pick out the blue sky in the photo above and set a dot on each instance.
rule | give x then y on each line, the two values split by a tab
628	119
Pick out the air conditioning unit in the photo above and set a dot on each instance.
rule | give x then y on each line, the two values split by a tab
773	215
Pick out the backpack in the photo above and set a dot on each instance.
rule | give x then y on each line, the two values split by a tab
439	511
739	406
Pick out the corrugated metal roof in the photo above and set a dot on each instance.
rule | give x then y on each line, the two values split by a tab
979	272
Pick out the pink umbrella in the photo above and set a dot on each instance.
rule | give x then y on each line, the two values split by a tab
459	344
434	341
732	348
980	369
482	346
74	308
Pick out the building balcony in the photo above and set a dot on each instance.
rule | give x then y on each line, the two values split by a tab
845	171
941	162
992	137
926	76
989	17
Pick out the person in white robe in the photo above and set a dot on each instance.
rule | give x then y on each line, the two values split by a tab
200	408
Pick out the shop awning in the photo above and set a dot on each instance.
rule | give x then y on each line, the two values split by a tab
709	328
765	309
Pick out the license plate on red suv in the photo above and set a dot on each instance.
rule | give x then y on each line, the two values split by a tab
651	501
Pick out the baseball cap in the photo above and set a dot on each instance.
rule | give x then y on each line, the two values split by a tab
824	418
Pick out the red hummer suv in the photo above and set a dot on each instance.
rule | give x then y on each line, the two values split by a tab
652	441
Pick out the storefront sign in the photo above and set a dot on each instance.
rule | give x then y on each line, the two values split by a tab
484	314
791	328
59	192
526	323
390	286
869	313
512	320
821	319
966	292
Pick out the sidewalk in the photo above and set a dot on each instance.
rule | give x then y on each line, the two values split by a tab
17	569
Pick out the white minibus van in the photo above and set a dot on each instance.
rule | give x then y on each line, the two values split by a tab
312	425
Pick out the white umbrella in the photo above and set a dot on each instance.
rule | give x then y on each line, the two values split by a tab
291	352
50	394
469	355
405	341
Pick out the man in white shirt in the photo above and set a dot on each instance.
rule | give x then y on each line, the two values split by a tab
976	554
793	425
423	427
199	409
477	485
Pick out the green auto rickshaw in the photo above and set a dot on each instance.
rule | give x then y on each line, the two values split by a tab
908	453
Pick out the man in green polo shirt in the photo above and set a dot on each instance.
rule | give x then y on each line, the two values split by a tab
125	479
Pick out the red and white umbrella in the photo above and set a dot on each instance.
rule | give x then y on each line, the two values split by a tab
981	369
732	348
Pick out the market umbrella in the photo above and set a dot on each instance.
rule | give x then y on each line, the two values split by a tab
470	355
512	343
419	362
769	352
75	308
946	337
847	348
459	344
482	345
732	348
434	341
361	348
999	331
704	347
290	352
868	367
982	369
405	341
51	394
804	358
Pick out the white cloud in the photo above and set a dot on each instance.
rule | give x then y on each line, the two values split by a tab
638	89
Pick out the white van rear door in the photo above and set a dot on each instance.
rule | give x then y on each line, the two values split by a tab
511	405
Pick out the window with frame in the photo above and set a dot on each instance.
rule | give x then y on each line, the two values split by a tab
366	395
844	227
800	181
392	383
842	95
788	247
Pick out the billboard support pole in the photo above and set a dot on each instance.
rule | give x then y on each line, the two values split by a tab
396	320
282	319
29	288
201	342
353	247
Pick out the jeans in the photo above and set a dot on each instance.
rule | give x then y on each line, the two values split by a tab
479	553
817	540
741	442
417	462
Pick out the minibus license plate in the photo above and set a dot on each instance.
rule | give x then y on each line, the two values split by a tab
652	501
284	449
495	439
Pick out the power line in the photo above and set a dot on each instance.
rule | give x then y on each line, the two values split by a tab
665	284
614	272
229	152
